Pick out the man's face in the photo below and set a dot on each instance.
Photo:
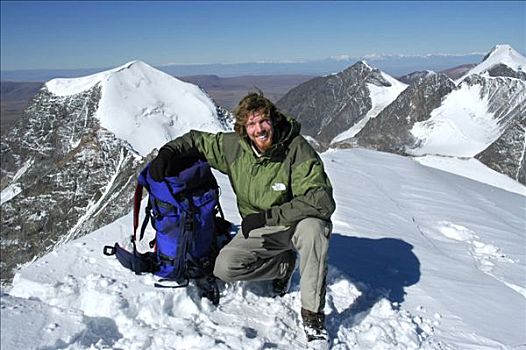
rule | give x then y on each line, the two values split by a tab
260	130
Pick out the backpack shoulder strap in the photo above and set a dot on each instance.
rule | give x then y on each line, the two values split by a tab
137	197
136	208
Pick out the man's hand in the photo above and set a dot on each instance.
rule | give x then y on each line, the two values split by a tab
159	164
252	222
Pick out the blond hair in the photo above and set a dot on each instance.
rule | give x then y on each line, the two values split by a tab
252	103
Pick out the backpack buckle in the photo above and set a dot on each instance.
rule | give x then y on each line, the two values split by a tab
108	250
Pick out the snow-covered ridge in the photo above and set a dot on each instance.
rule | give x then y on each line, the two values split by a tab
144	106
410	250
501	54
381	97
73	86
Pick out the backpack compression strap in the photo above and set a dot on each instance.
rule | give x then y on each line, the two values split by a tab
137	198
136	207
135	261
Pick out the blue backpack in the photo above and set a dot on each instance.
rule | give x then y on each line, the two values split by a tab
183	210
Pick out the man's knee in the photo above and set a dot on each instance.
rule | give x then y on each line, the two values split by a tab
224	267
312	230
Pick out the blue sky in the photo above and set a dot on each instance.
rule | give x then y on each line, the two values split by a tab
90	34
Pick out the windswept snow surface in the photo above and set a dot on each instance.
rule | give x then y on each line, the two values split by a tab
381	97
473	169
461	126
143	105
419	259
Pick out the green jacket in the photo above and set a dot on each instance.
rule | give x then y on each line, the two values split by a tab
288	179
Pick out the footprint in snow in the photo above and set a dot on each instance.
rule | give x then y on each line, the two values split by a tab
484	254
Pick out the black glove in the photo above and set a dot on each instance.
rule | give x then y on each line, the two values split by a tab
160	163
252	222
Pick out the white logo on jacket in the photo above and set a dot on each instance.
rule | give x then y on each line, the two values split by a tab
278	186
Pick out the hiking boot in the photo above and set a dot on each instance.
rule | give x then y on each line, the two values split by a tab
281	286
207	287
314	325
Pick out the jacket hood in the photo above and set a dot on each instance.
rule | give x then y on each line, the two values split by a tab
287	130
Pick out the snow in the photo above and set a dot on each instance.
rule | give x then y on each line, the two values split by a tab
10	192
501	54
473	169
420	258
13	189
461	126
23	170
381	97
312	141
143	105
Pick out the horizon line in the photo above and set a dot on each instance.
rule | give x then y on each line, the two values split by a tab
342	57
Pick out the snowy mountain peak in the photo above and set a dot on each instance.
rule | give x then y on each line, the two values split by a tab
91	136
359	67
365	66
501	50
339	105
501	55
144	106
506	54
131	63
364	63
130	70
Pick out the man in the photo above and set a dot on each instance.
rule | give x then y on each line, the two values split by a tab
283	195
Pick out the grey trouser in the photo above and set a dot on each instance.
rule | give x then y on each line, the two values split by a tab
260	256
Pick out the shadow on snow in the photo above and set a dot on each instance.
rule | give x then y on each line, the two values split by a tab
379	268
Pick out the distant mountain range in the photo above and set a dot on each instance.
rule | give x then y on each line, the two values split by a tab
395	65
